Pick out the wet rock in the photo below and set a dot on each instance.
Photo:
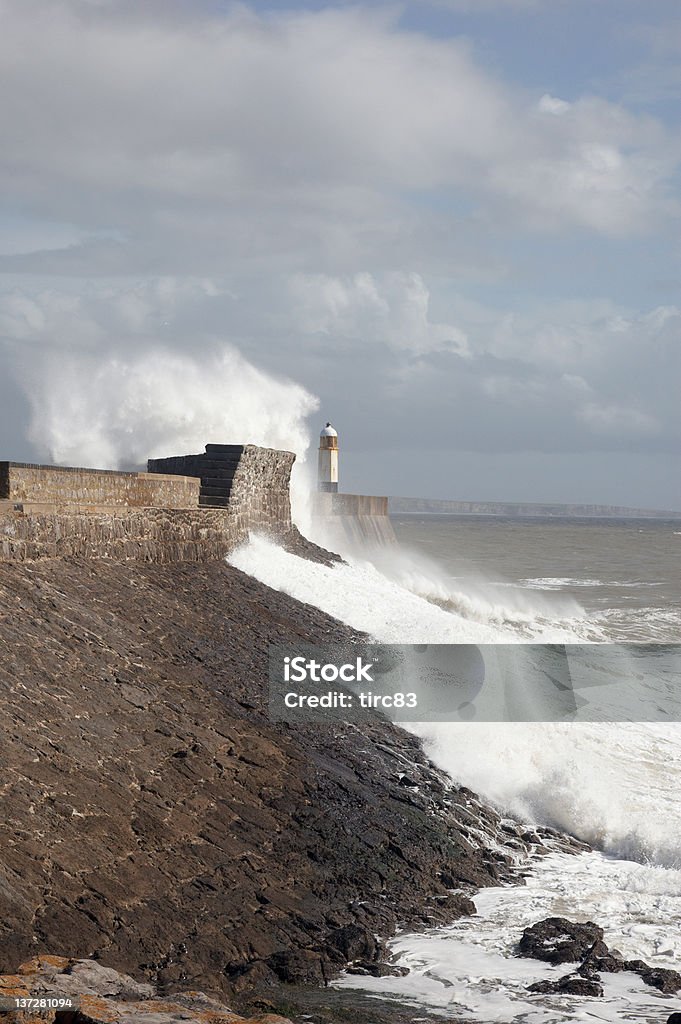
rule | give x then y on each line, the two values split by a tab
635	965
459	906
569	984
377	970
543	987
559	841
353	942
353	1006
175	832
666	981
558	941
597	961
298	967
101	995
588	969
576	986
601	964
406	780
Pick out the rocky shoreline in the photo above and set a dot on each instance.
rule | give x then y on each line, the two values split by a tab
556	940
155	821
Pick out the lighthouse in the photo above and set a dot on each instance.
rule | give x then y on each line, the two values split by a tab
327	472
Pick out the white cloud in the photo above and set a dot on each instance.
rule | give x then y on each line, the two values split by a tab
87	314
552	105
316	188
116	372
615	372
393	312
575	338
311	122
586	373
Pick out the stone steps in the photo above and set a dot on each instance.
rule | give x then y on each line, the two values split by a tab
206	492
222	480
215	469
218	464
216	481
213	500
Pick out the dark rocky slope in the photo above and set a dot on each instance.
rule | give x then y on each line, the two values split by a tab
153	818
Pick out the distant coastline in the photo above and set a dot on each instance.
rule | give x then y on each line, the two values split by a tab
529	510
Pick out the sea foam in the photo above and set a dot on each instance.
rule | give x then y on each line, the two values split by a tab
613	785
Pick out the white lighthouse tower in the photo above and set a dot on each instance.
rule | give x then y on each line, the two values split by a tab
327	472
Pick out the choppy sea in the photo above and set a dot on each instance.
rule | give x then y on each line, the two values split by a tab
615	785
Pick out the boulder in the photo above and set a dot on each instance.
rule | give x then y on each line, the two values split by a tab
666	981
101	995
600	965
569	984
298	967
353	942
377	970
556	940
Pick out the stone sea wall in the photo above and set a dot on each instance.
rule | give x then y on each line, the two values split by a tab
356	519
252	482
260	496
48	512
68	485
147	535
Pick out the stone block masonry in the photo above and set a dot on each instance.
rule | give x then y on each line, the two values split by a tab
197	510
65	485
146	535
252	482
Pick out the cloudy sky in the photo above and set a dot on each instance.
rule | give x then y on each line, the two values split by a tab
450	226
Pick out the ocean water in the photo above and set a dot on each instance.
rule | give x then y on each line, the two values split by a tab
618	786
624	574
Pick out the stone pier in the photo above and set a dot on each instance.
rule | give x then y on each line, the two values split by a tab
187	508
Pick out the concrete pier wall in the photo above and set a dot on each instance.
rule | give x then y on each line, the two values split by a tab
357	519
